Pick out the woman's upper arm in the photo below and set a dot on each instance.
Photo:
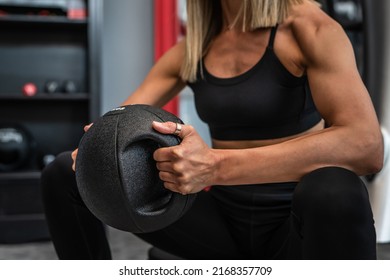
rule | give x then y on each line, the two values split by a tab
340	94
337	88
163	81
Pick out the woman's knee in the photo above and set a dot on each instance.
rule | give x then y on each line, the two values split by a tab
331	191
59	167
58	178
332	214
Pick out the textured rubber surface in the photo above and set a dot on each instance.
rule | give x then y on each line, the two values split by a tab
117	175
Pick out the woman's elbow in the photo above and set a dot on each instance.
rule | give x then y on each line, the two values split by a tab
372	149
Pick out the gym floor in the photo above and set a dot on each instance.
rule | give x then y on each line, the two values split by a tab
124	246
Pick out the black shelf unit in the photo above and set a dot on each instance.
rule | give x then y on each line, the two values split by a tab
38	48
41	20
42	97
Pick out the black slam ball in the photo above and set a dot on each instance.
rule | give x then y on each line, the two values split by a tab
117	175
15	147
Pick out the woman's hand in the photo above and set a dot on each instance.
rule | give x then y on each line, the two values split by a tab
188	167
74	153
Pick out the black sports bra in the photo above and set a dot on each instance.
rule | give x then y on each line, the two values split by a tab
266	102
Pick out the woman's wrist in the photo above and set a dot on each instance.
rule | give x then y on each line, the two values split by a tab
220	168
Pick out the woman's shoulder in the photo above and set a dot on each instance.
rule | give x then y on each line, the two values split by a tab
313	29
172	59
309	16
308	20
176	51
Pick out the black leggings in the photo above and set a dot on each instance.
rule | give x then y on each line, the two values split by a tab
327	216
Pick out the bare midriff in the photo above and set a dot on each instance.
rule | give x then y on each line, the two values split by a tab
222	144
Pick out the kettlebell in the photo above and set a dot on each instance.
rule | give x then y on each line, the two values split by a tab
117	176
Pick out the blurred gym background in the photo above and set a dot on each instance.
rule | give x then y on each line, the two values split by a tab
63	63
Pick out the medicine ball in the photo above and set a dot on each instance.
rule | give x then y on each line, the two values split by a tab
15	147
117	176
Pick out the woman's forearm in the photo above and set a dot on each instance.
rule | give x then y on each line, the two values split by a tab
290	160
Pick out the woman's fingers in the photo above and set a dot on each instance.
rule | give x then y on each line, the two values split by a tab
87	127
74	155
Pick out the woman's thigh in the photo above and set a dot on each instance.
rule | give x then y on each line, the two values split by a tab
202	233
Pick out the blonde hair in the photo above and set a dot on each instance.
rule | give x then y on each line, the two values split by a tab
205	21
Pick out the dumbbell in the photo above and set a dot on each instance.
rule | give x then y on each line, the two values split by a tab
68	86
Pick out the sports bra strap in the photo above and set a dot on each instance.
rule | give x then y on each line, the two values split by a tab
272	36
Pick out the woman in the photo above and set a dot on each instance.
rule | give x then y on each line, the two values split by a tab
292	127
